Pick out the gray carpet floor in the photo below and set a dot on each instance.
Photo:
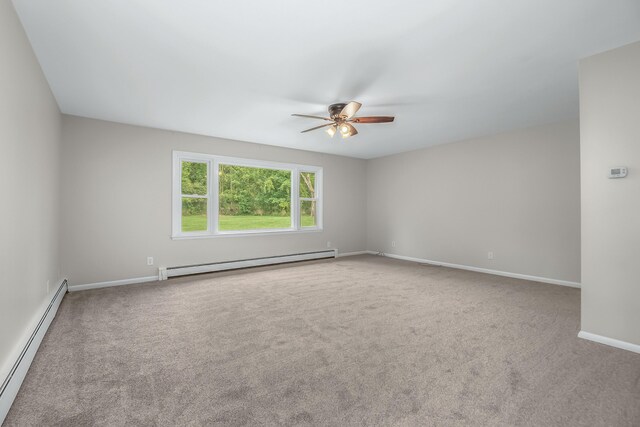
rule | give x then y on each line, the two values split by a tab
355	341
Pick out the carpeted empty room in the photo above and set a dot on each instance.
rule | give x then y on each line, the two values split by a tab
361	213
356	341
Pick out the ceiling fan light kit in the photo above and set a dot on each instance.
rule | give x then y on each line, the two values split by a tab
341	117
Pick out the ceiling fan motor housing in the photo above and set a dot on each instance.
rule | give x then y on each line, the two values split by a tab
335	109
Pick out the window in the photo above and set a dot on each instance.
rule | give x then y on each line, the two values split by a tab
308	199
252	198
216	196
195	197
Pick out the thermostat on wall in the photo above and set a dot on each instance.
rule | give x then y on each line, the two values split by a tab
618	172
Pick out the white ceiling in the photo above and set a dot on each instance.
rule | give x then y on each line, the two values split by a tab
447	69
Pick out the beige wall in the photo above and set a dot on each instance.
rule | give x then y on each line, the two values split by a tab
516	194
116	182
610	130
29	137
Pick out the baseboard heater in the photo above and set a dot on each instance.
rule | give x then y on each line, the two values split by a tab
12	382
167	272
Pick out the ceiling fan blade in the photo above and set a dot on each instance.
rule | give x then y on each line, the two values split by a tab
375	119
312	117
350	109
318	127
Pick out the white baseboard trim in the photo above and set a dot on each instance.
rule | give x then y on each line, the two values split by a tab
486	270
98	285
609	341
340	255
26	350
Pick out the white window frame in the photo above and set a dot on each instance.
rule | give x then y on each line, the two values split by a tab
213	162
307	199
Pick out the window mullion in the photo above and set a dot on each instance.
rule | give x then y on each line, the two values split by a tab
214	197
295	196
176	220
319	199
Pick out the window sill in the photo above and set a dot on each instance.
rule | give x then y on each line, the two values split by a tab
245	233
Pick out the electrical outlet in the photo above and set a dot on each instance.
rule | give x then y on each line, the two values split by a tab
328	244
393	244
490	255
149	260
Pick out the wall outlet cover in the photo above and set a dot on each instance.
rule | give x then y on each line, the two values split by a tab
618	172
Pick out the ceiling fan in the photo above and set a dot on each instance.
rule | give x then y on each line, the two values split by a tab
341	117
